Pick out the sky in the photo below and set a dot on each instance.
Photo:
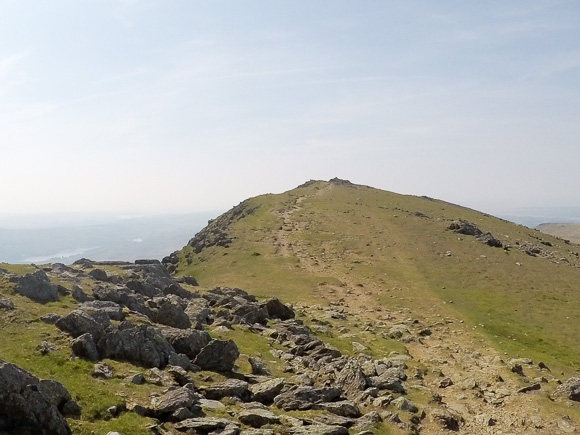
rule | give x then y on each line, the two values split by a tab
162	106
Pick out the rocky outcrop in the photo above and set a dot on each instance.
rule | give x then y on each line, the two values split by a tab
32	405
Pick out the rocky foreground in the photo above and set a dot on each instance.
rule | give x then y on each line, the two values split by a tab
140	314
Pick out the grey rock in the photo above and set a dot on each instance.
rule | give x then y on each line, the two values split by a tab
229	388
570	389
529	388
99	275
110	309
172	400
140	344
302	398
319	429
405	405
277	309
31	405
258	417
84	346
218	355
351	379
198	312
258	367
51	318
203	424
36	286
265	392
171	314
368	421
102	370
79	295
6	304
179	374
137	379
182	360
78	323
188	342
344	408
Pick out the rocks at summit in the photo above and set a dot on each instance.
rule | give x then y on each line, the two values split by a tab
32	405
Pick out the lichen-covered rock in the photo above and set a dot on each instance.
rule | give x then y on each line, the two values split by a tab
302	398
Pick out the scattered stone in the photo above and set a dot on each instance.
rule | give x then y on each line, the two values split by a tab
570	389
173	400
79	295
405	405
203	424
277	309
51	318
137	379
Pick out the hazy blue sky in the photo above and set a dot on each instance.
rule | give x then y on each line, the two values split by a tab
174	106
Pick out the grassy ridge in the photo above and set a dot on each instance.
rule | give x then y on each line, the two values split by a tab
397	251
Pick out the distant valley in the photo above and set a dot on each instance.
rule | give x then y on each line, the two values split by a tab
64	239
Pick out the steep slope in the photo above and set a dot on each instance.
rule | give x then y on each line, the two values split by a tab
393	259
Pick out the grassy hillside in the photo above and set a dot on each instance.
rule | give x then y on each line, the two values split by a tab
330	240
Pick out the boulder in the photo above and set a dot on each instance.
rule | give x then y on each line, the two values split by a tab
141	344
84	346
351	379
464	227
6	304
203	424
79	295
77	323
36	286
189	342
258	417
265	392
110	309
570	389
319	429
31	405
218	355
171	314
174	399
258	367
99	275
303	398
277	310
229	388
344	408
198	312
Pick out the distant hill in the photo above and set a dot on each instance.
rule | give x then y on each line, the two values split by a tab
565	231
